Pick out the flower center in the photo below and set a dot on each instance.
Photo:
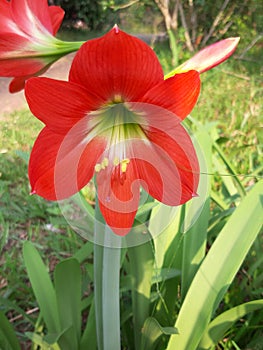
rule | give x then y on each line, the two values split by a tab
121	126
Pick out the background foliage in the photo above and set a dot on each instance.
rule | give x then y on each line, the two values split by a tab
235	17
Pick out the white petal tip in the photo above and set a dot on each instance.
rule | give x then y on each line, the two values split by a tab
116	29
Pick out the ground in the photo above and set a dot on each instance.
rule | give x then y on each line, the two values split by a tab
12	102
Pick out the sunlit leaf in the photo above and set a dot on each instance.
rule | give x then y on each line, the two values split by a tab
38	340
151	331
218	327
218	270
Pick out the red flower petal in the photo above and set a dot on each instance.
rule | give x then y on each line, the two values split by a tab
178	94
56	16
11	42
5	15
118	198
168	166
59	104
31	15
115	65
60	166
10	67
11	45
17	84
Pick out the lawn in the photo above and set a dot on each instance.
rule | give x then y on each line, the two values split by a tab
230	108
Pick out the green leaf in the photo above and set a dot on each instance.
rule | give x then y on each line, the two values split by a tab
141	260
217	271
67	279
42	287
230	168
151	332
161	275
89	331
219	326
84	252
168	255
163	226
23	155
145	209
11	305
198	210
8	339
38	340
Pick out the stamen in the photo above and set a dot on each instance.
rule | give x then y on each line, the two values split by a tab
104	163
124	163
101	166
97	168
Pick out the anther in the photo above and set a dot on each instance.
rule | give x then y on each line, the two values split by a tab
124	163
101	166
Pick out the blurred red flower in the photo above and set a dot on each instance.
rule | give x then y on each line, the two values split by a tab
27	43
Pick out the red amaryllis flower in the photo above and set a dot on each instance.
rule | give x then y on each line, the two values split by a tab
27	43
119	119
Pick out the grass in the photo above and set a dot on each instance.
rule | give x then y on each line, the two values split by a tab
231	98
23	216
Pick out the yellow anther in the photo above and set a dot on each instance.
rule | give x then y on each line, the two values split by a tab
124	164
97	168
104	163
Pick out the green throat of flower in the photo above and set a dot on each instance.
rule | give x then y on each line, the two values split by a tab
121	126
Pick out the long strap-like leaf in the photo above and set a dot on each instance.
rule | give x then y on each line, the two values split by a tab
218	270
42	287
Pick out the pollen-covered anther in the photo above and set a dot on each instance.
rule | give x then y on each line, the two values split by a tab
101	166
124	163
104	163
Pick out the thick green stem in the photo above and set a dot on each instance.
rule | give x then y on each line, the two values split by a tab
110	293
98	260
106	281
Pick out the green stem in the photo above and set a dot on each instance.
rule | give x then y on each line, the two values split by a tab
106	281
110	293
98	259
173	47
58	48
